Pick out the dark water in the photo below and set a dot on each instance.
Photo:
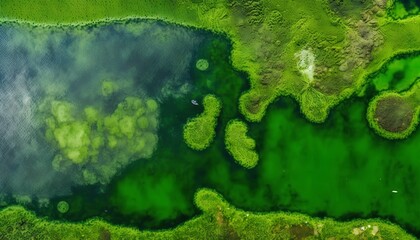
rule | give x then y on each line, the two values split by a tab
339	168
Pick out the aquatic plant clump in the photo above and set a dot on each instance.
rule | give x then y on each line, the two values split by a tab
94	146
219	220
199	131
202	64
393	115
63	207
239	145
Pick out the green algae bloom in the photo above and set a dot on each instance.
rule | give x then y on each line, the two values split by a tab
108	87
101	143
239	145
199	132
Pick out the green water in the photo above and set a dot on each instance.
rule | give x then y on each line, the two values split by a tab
398	74
404	8
340	168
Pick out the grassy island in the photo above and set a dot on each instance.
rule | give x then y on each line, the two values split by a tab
200	131
219	220
239	145
393	115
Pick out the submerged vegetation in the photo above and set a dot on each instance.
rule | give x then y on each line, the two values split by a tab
94	146
199	131
349	40
63	207
239	145
219	220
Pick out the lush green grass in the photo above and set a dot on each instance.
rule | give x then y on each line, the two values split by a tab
219	220
393	115
199	131
239	145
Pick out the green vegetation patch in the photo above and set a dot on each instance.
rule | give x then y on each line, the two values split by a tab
199	131
219	220
239	145
393	115
97	144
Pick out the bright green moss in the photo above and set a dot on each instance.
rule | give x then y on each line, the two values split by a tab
239	145
199	132
219	220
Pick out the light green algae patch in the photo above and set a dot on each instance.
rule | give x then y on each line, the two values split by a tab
393	115
219	220
239	145
92	145
199	131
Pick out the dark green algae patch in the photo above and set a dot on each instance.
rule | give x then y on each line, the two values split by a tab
340	168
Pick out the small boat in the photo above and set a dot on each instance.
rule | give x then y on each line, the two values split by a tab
194	102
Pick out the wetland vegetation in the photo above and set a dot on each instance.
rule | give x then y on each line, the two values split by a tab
106	104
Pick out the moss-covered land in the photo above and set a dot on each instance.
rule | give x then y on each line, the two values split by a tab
219	220
239	145
393	115
199	131
345	38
